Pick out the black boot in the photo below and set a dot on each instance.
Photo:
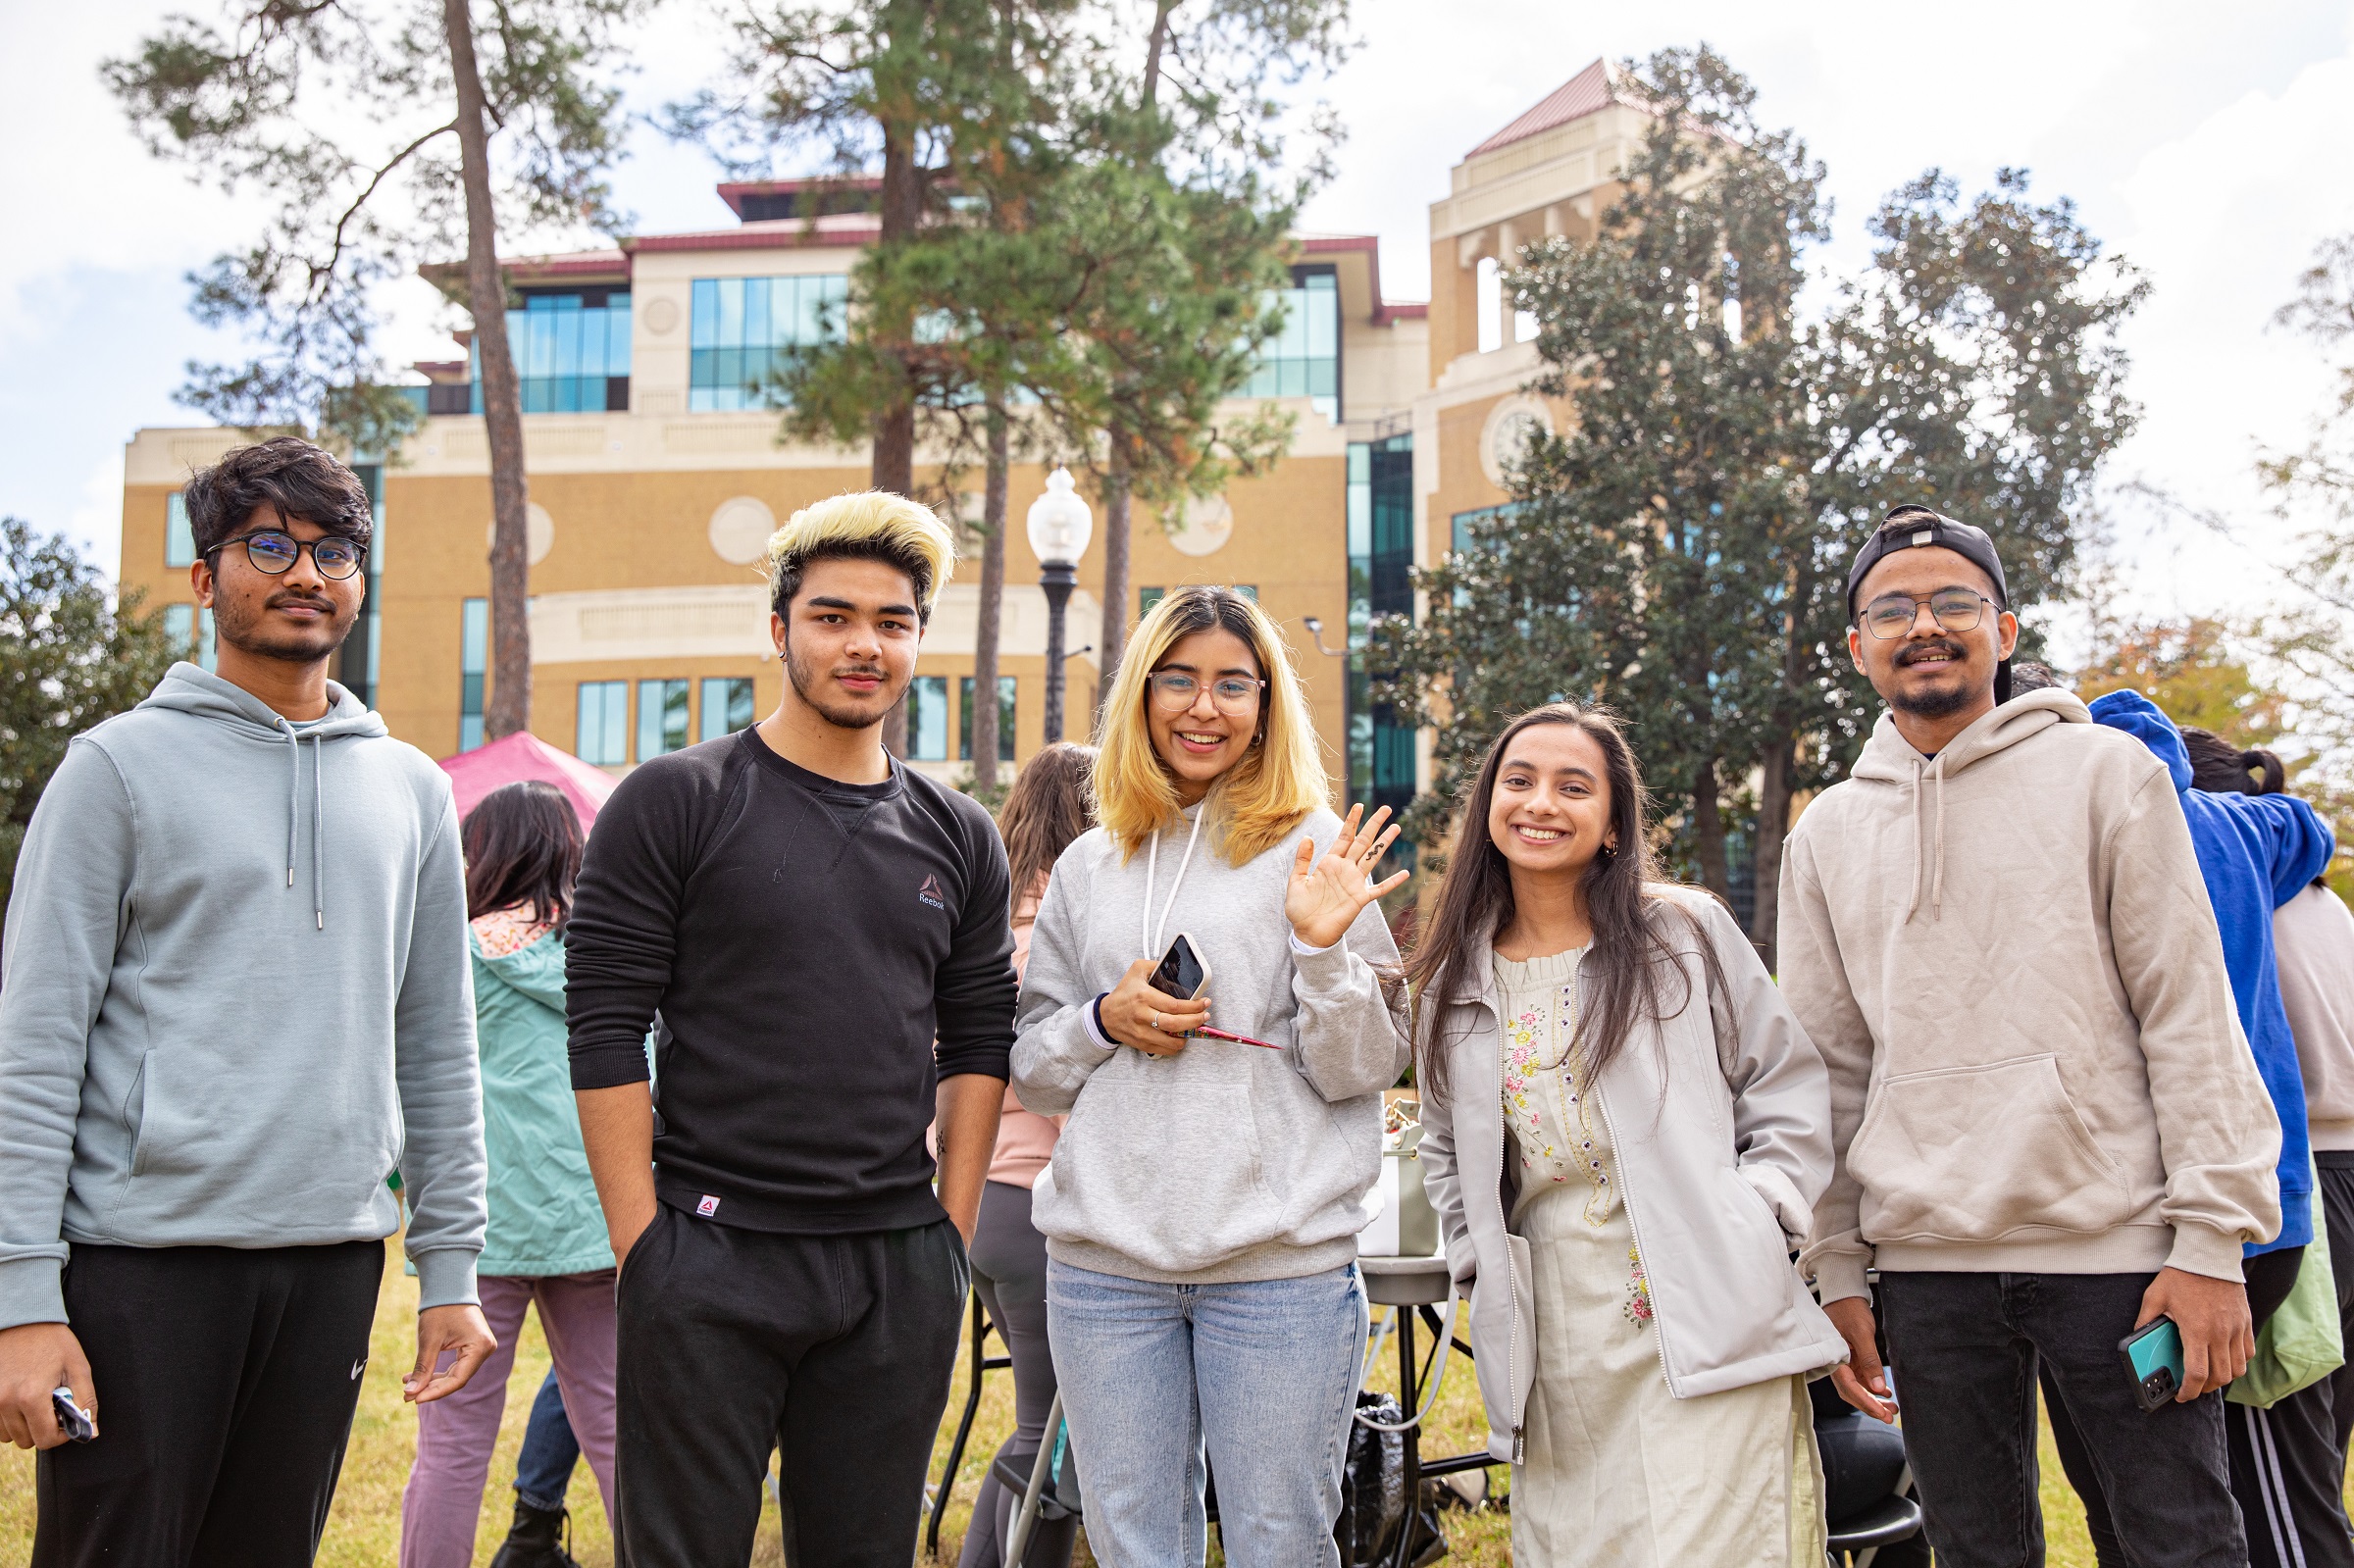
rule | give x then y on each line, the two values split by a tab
531	1540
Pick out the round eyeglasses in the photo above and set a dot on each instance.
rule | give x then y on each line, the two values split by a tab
1174	691
275	553
1892	614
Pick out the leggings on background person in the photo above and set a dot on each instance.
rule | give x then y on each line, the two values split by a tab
544	1469
455	1435
1009	1274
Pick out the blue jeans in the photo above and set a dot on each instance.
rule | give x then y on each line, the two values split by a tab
543	1470
1263	1371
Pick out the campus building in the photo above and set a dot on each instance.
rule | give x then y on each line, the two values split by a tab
656	476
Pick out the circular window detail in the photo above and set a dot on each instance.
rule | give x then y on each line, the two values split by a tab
661	316
1205	526
1505	435
539	534
741	528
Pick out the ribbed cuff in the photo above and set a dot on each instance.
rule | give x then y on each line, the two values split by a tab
32	1291
2200	1250
1299	947
1095	1024
1325	969
1840	1275
446	1278
610	1066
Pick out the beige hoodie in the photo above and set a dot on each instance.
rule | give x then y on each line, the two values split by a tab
2007	958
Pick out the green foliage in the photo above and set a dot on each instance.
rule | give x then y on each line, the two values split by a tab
2195	668
342	118
1681	550
68	657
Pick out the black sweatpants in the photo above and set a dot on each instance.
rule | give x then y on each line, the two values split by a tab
227	1379
833	1350
1966	1348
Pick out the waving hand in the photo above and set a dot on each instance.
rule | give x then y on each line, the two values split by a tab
1325	893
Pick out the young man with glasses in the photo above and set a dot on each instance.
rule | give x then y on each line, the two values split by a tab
2049	1127
234	1003
827	935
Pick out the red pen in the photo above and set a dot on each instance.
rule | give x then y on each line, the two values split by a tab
1206	1032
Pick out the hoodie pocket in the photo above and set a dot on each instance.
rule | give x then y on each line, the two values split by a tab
162	1137
1167	1174
1981	1153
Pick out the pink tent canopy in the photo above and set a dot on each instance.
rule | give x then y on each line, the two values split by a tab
524	755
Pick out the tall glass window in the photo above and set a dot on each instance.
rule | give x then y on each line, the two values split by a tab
603	733
964	718
191	633
661	718
1381	558
179	540
1304	360
746	331
726	707
572	352
927	719
473	660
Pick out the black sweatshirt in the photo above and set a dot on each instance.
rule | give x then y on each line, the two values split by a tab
807	942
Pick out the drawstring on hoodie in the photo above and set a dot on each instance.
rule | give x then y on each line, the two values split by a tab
1151	929
1935	769
318	815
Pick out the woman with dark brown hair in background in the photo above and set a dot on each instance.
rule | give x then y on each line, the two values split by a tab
1624	1133
546	1243
1048	807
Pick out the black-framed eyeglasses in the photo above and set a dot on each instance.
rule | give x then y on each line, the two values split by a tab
276	554
1892	614
1174	691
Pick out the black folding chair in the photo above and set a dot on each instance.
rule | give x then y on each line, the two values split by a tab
982	1363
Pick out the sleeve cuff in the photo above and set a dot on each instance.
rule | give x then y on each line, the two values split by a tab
1839	1276
1322	969
446	1278
1094	1018
2208	1253
1463	1261
610	1066
32	1291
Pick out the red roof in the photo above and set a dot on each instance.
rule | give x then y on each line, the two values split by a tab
775	233
1589	92
1385	311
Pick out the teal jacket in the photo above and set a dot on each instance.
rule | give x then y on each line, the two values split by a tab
545	1217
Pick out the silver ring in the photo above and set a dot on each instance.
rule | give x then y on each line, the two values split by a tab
1156	1017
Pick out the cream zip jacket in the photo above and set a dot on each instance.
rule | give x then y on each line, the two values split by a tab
2007	958
1720	1120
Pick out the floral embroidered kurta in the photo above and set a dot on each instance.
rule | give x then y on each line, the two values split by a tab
1618	1471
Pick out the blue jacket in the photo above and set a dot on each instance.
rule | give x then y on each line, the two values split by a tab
2256	853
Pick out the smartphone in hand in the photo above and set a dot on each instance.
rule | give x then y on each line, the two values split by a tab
1181	972
73	1420
2153	1356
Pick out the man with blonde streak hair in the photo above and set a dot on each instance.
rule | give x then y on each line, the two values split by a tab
823	932
2047	1127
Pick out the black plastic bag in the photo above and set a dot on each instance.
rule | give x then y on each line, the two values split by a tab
1372	1484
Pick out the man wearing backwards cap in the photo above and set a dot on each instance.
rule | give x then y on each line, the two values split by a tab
2048	1127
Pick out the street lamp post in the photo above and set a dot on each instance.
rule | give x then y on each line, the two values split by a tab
1060	525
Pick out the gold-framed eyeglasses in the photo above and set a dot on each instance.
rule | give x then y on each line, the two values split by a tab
1174	691
1892	614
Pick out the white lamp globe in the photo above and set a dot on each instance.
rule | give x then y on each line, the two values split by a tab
1060	522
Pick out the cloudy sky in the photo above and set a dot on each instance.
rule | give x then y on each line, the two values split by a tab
2211	145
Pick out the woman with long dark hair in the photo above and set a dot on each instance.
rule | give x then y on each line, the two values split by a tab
546	1243
1048	808
1626	1131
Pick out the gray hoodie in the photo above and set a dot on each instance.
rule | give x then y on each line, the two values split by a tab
1223	1162
234	996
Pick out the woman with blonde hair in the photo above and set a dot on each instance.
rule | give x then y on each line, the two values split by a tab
1202	1206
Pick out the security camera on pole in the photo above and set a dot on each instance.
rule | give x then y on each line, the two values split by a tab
1060	523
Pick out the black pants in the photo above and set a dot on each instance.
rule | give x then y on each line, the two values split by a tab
2285	1471
2335	1197
833	1350
1010	1275
1966	1348
226	1378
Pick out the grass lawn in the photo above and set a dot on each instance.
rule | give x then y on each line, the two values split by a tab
365	1529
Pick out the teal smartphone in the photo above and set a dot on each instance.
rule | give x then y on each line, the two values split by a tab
2153	1356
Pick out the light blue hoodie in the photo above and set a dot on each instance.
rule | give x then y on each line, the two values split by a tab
234	996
